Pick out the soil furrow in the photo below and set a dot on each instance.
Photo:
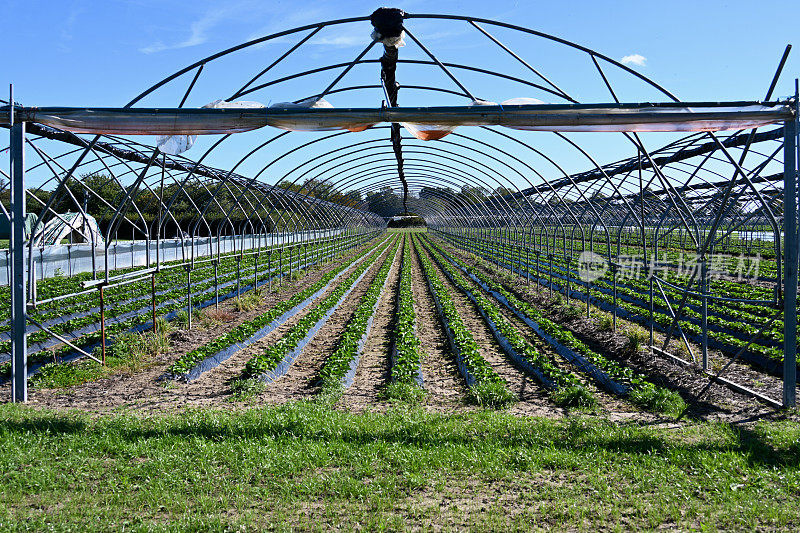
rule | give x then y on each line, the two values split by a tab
532	397
444	385
143	390
718	402
373	368
301	380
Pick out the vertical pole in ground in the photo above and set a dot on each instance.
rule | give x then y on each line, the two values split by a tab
102	324
269	269
614	309
216	284
153	297
790	261
255	272
189	296
704	300
19	346
238	275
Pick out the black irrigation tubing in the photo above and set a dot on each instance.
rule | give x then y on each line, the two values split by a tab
623	313
216	359
283	367
581	363
419	379
768	365
34	367
76	334
350	376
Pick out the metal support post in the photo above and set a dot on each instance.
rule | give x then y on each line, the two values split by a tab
704	299
153	297
19	347
189	297
790	263
216	284
102	324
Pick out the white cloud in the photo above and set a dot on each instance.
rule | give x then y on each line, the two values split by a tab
634	59
353	39
199	30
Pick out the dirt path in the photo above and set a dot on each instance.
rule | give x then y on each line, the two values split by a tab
533	399
300	382
373	368
142	390
446	390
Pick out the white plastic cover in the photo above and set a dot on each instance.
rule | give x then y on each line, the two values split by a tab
397	42
177	144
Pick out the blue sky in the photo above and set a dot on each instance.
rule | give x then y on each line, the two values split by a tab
80	52
83	53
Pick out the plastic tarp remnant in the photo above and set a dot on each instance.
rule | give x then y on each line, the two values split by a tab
434	132
177	144
315	116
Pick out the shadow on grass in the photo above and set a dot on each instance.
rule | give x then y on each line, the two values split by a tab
307	421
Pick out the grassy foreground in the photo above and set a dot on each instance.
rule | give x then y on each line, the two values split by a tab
306	467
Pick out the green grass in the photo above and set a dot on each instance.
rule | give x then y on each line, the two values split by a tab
304	466
129	352
244	390
399	391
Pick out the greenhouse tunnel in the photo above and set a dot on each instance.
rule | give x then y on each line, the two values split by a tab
610	226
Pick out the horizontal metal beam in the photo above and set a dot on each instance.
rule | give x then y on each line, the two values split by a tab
698	116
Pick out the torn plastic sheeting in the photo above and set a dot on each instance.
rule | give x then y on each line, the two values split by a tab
427	132
283	367
177	144
388	24
316	103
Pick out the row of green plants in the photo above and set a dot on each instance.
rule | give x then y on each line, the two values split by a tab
642	392
229	266
674	247
270	358
338	363
177	292
407	349
630	300
245	330
488	388
513	252
565	388
570	267
113	329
